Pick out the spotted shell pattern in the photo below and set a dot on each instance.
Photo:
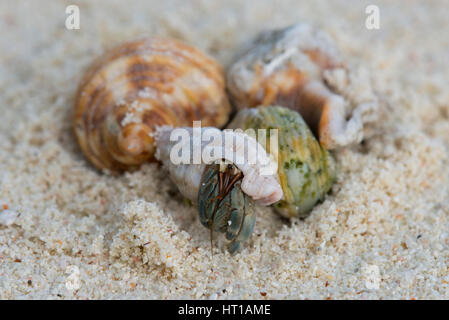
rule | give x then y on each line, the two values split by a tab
306	171
134	88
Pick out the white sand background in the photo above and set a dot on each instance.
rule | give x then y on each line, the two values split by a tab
383	231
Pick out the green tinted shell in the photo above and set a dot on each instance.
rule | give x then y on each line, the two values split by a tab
306	170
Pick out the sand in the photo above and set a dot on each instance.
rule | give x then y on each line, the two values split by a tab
72	232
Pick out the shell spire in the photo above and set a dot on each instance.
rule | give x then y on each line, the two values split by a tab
135	87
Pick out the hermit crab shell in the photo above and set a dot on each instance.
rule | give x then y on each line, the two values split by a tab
306	170
299	67
137	86
261	185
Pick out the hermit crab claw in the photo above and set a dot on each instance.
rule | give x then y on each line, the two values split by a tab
223	206
225	183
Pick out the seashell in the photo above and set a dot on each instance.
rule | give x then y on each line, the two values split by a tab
225	186
306	171
299	67
133	88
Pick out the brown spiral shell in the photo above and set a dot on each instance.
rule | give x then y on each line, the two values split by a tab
135	87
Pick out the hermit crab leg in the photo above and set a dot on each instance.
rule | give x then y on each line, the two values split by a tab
227	189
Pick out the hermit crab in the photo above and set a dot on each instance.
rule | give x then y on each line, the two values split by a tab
133	88
299	67
224	184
